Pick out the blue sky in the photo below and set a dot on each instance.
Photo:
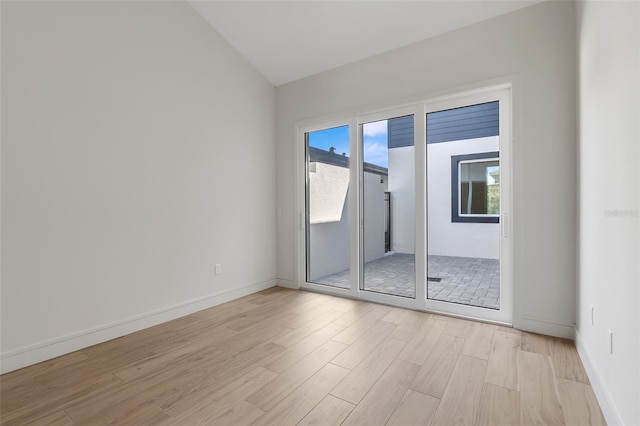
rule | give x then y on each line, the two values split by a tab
337	137
376	144
375	141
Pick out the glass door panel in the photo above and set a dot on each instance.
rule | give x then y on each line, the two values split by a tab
388	190
463	198
327	207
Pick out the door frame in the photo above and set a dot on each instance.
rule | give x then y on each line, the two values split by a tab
501	92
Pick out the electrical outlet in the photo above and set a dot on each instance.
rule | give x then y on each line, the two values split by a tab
218	268
610	340
591	309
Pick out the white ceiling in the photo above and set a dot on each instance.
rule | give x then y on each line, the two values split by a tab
289	40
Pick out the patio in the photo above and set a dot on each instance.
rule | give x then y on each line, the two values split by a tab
464	280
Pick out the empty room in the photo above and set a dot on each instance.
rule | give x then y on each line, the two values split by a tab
320	212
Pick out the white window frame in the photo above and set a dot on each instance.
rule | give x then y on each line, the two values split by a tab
460	164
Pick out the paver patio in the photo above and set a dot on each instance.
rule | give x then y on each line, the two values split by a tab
465	280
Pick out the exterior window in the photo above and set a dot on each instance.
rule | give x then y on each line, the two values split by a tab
475	184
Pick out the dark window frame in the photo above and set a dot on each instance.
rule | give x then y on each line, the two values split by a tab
455	186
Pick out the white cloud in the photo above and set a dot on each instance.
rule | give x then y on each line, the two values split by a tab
376	128
376	153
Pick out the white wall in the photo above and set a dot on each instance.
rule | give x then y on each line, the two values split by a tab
329	246
402	188
330	240
448	238
374	191
138	150
328	186
537	45
609	255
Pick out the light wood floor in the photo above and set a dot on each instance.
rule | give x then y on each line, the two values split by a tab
290	357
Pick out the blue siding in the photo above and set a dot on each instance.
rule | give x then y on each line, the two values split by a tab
470	122
400	131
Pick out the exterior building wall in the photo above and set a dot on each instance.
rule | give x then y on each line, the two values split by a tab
329	237
402	189
446	238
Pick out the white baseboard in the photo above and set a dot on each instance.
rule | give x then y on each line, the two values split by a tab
535	325
33	354
288	284
607	405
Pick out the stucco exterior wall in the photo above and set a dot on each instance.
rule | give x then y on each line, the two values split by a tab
447	238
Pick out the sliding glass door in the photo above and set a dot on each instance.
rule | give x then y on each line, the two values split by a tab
468	198
410	206
328	260
388	200
463	153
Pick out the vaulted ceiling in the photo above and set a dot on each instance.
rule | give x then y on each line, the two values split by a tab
289	40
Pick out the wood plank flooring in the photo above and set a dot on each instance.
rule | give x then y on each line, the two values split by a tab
285	357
